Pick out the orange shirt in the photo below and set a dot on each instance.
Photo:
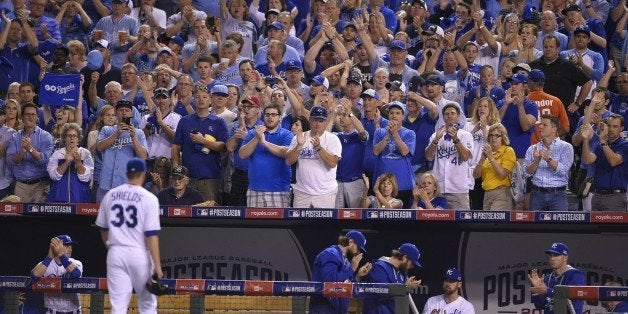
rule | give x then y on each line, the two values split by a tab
551	105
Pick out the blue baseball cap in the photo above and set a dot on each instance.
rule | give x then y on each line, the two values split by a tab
46	49
536	76
354	78
559	248
453	274
220	90
411	251
66	239
318	112
294	64
136	165
355	235
519	78
497	94
398	44
178	40
435	79
94	60
397	104
320	80
583	29
276	25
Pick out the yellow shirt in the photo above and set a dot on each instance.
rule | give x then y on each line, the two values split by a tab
505	156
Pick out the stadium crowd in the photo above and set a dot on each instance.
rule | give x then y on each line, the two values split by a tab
458	104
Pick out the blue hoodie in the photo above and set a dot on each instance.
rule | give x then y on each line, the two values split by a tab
331	266
382	272
571	277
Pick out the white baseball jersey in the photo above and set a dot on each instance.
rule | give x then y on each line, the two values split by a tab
62	302
130	213
437	304
453	174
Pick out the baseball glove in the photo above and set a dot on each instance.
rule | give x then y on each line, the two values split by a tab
155	286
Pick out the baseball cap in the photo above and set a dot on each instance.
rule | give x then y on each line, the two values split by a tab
435	79
220	90
164	49
396	85
320	80
274	11
397	104
356	235
370	93
350	24
521	66
46	49
136	165
94	60
536	76
453	274
66	239
124	103
434	30
354	78
276	25
179	171
358	42
294	64
102	43
178	40
497	94
318	112
570	8
559	248
411	251
252	100
119	1
519	78
398	44
583	29
415	83
161	92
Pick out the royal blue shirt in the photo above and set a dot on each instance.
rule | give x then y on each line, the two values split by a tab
331	265
350	167
369	157
423	126
382	272
571	277
606	176
519	139
268	172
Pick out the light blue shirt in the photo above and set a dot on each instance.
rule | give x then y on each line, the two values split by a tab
597	68
115	157
545	176
29	168
110	30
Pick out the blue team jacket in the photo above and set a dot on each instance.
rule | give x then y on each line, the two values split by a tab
571	277
331	266
382	272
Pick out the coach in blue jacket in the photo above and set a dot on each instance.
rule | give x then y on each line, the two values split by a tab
393	269
338	263
562	274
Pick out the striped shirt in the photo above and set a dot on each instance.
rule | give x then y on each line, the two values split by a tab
545	176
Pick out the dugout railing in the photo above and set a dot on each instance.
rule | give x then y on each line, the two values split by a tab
564	294
195	292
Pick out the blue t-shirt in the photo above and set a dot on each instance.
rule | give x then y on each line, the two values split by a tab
115	157
369	157
350	167
423	126
200	165
268	172
519	139
391	160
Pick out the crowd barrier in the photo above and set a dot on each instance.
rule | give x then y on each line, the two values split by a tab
198	288
562	295
223	212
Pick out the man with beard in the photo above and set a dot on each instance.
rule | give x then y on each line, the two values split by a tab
562	274
450	301
393	269
339	263
266	147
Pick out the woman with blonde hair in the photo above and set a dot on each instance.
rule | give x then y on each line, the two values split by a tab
508	33
106	117
385	190
427	193
14	114
70	168
13	91
78	55
485	114
495	168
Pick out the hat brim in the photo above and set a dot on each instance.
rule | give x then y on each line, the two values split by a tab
318	117
220	94
554	252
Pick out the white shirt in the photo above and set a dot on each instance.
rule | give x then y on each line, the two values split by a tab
158	14
459	306
158	142
127	212
486	56
59	154
313	176
62	302
453	175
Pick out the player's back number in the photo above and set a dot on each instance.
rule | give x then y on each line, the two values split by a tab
123	216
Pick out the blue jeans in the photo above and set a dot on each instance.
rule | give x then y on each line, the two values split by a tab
549	201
